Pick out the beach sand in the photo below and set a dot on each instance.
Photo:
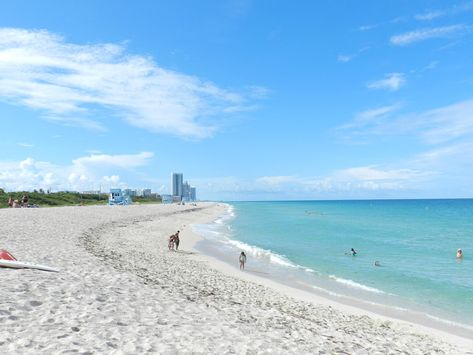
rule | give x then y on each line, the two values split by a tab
120	291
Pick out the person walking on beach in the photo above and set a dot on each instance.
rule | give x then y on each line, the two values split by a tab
176	240
242	260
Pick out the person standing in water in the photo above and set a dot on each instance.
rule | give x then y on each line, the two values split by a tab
459	254
242	260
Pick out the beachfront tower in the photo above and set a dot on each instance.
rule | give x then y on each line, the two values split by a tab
193	194
177	180
186	190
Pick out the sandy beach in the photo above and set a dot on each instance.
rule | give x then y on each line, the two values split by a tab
121	291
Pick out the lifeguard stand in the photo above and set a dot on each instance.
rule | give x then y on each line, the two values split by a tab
119	197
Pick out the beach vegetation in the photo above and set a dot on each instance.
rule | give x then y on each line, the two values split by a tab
61	198
43	198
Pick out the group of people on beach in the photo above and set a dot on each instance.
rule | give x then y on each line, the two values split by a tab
23	202
173	243
377	263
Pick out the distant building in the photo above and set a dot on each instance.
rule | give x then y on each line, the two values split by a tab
166	198
186	191
118	197
93	192
182	191
177	180
130	192
146	192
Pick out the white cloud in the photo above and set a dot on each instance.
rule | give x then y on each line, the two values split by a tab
114	179
40	70
447	123
435	126
85	173
430	15
344	58
25	145
393	82
345	183
367	120
427	33
371	115
364	181
454	10
366	27
124	161
444	153
258	92
275	180
432	65
373	173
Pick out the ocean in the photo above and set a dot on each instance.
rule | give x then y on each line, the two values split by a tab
306	244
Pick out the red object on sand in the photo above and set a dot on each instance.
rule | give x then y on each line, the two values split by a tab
5	255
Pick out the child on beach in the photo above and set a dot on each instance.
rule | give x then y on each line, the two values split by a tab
242	260
171	242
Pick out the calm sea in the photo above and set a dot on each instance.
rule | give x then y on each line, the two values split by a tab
307	243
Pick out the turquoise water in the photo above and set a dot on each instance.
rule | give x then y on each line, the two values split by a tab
415	242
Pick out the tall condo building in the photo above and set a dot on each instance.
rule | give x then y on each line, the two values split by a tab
177	180
186	189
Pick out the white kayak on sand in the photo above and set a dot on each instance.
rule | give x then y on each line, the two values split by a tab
15	264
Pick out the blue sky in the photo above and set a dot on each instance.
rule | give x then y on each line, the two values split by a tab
251	100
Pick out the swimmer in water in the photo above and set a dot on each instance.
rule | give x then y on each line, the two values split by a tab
459	254
353	252
376	263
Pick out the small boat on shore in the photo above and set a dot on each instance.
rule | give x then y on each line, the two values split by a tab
9	261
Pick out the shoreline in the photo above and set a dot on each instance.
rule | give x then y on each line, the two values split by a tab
419	321
121	290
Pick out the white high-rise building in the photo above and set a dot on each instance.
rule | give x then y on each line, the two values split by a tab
177	180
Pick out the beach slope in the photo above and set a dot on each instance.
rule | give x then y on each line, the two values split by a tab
121	291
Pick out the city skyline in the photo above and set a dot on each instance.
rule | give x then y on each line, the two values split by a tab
181	189
255	101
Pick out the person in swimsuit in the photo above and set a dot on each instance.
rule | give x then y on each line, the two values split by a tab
176	240
242	260
171	242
